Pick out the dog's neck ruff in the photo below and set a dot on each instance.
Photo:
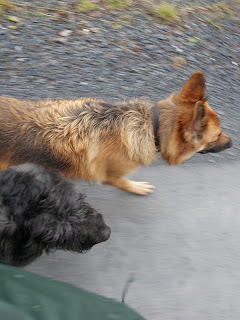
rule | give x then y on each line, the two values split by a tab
155	120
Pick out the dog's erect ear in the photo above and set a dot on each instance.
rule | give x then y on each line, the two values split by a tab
197	122
194	89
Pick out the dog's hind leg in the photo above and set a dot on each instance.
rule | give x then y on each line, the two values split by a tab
142	188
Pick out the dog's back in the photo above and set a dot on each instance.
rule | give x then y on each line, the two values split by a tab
77	137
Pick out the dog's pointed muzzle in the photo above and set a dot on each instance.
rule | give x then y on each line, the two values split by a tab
217	148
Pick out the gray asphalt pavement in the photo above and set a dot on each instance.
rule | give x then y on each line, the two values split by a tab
181	243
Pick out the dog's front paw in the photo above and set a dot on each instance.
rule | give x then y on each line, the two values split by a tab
142	188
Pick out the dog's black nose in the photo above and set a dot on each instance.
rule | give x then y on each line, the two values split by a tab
106	233
229	144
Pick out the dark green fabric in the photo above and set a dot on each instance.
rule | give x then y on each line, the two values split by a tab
26	296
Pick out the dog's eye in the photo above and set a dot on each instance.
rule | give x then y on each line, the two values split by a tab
217	137
211	143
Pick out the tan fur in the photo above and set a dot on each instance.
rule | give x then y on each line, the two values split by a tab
96	140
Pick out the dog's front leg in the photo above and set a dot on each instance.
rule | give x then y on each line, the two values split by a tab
142	188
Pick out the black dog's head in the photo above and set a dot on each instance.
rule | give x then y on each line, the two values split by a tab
41	211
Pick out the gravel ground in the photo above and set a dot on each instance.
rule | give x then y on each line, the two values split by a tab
122	55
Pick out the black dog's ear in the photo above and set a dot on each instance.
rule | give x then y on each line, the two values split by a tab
18	192
46	230
7	235
17	248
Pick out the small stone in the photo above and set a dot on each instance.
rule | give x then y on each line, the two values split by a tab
178	32
65	33
234	63
95	30
85	30
18	48
179	61
192	59
61	40
177	49
21	59
150	46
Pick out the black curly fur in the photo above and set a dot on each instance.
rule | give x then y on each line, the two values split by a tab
41	211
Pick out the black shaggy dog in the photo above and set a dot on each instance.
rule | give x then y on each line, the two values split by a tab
39	211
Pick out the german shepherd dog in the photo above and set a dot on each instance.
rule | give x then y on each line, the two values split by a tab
100	141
